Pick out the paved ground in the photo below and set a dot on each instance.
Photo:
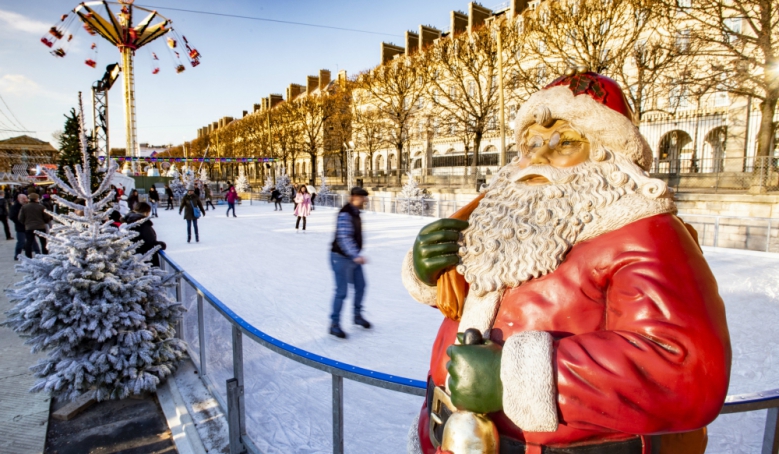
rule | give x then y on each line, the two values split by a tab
23	416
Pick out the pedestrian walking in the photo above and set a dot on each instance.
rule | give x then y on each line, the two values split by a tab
21	237
35	219
231	197
169	196
346	261
133	199
4	209
275	195
193	209
312	190
207	190
154	200
302	206
146	234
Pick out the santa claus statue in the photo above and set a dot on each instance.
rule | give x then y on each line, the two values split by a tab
581	316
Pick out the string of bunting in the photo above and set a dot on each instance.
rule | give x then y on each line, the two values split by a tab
156	159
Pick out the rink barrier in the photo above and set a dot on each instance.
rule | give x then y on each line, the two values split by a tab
234	405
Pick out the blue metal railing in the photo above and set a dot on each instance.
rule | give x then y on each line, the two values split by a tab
235	407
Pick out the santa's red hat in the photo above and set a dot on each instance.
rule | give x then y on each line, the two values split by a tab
595	106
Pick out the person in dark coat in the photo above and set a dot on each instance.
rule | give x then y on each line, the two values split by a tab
35	219
4	208
133	199
346	261
146	234
21	237
154	200
169	197
208	197
188	204
276	197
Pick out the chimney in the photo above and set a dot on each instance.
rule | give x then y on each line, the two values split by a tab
227	121
388	51
265	104
293	91
476	16
312	83
458	23
275	100
214	126
342	77
256	107
412	43
517	7
324	79
245	113
427	35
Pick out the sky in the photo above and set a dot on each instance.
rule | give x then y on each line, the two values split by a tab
242	60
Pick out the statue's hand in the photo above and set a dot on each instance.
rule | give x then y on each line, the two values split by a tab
474	376
435	249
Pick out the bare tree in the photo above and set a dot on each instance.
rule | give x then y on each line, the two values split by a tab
739	40
368	130
312	112
394	89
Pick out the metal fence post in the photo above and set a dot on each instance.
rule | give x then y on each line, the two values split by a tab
770	441
338	414
716	230
179	298
233	416
238	375
201	334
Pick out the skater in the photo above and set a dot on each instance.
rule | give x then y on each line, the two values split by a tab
4	208
312	190
231	198
207	190
154	200
293	193
276	197
21	237
35	219
133	199
193	209
146	234
169	196
302	206
347	262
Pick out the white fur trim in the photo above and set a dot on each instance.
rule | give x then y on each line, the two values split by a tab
597	122
418	290
413	445
529	392
479	312
630	208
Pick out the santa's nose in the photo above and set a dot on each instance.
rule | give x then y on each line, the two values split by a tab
540	156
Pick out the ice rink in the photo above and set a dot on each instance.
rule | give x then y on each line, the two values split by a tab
280	281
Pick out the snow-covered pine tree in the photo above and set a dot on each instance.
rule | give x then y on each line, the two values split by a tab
411	199
241	183
324	196
101	311
172	171
283	183
204	176
187	177
70	151
269	185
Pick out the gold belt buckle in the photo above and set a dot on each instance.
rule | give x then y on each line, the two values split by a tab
441	401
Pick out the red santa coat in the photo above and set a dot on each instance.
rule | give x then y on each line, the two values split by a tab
641	345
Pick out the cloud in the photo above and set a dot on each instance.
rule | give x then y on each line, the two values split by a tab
21	85
22	23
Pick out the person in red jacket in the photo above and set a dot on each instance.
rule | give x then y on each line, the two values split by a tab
581	316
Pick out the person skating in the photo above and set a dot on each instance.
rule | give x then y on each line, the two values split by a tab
146	234
302	206
4	208
312	190
275	195
133	199
231	198
207	190
154	200
293	193
21	237
169	197
193	209
346	261
35	219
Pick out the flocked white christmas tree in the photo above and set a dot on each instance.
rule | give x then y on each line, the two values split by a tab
269	185
411	199
241	183
177	187
101	311
323	195
283	183
187	177
172	172
204	176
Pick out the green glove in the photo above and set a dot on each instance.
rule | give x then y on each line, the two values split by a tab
435	249
474	376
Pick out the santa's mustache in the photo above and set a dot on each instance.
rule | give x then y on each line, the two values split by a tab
553	174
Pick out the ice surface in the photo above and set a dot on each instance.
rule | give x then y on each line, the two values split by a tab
280	281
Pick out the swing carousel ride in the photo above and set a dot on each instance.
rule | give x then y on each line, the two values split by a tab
122	32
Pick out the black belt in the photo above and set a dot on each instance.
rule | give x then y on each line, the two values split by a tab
512	446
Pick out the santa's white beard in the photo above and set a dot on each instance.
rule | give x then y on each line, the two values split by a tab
521	231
